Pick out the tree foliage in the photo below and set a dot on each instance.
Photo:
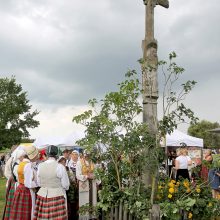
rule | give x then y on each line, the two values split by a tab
112	126
15	113
121	140
175	111
201	130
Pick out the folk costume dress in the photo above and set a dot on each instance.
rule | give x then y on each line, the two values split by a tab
87	187
30	181
10	188
22	202
73	192
51	197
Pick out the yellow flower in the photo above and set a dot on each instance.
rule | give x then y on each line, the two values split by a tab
190	215
170	196
177	183
188	190
198	190
186	183
173	181
171	190
210	204
171	184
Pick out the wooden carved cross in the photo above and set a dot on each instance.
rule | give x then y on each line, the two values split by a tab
150	4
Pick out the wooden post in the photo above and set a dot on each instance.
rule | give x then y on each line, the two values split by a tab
155	212
112	213
125	213
120	211
150	84
129	216
116	212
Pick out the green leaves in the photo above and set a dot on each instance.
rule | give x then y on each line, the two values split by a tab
112	123
174	109
15	113
183	198
201	130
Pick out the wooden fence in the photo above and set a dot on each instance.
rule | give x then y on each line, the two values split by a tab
118	212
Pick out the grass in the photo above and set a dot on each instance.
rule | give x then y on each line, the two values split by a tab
2	195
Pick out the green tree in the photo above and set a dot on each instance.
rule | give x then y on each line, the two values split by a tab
112	124
175	112
201	130
15	113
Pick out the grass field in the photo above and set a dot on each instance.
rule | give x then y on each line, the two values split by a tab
2	195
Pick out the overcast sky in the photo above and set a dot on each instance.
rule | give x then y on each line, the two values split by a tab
66	52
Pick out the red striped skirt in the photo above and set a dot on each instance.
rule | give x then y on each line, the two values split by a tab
21	204
50	208
9	198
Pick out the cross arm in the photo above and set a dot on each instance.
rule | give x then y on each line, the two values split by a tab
163	3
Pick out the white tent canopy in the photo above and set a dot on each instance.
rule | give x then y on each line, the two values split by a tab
69	140
178	138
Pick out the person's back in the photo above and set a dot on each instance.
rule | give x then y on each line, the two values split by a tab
49	182
53	180
181	164
49	179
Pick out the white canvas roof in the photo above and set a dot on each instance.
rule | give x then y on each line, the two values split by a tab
177	138
69	140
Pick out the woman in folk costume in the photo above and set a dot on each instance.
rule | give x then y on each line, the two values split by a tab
73	192
20	154
53	181
17	156
9	164
87	184
24	197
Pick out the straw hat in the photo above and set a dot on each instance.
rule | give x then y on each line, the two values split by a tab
32	152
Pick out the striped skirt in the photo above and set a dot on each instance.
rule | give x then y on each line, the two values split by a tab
50	208
9	198
21	204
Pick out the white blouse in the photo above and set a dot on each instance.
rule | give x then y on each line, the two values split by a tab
183	161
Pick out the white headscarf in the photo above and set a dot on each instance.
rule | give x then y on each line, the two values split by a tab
17	154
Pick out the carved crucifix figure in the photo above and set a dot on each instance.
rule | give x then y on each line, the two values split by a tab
149	80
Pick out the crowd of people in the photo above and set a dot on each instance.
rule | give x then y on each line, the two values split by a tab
180	166
46	185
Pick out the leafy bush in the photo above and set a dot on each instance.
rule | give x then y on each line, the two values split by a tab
194	199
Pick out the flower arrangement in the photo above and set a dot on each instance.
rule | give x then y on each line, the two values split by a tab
183	198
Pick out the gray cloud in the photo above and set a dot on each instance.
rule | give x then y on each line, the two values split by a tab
66	52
